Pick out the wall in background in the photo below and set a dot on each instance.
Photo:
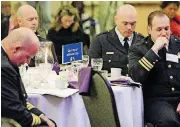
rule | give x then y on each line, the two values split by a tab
104	11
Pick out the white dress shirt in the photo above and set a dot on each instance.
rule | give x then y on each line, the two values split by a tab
121	38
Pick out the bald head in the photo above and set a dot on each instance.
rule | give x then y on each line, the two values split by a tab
27	17
125	19
125	9
24	10
21	35
20	45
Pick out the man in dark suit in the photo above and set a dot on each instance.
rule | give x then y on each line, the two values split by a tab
155	62
18	48
113	45
27	17
5	16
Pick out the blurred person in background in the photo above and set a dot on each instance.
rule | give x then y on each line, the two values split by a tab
113	45
17	48
66	30
89	25
5	18
8	17
27	17
5	9
171	8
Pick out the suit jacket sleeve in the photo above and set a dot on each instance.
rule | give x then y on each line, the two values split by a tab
12	105
140	64
95	50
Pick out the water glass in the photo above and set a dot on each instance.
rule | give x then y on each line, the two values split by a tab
97	63
75	67
45	69
85	60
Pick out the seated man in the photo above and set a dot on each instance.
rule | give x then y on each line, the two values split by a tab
17	48
113	46
155	62
27	17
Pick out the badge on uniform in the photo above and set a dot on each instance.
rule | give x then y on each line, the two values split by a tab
172	58
109	53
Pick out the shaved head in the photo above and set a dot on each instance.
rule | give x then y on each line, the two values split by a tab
27	17
23	10
20	36
125	19
125	9
20	45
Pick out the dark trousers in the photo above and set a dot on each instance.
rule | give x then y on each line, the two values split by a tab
161	112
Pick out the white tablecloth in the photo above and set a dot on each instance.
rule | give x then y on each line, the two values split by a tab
71	112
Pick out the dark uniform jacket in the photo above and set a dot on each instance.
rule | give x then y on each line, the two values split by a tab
13	96
160	78
108	46
32	62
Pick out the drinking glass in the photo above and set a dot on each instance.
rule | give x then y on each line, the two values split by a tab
76	66
44	61
85	60
97	63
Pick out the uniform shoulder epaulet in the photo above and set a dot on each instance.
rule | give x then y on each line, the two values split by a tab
142	41
105	32
140	35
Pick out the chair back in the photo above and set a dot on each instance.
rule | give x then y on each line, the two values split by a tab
100	103
7	122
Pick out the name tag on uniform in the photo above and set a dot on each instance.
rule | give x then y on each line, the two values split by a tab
109	53
172	58
178	55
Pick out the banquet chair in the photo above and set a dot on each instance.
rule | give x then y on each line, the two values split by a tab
149	125
7	122
100	103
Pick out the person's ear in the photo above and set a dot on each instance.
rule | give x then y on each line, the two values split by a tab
16	49
149	30
19	21
115	20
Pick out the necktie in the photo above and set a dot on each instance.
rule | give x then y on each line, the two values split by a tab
126	45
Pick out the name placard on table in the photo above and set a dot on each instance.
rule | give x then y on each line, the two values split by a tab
72	52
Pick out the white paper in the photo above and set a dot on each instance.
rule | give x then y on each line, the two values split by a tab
55	92
172	58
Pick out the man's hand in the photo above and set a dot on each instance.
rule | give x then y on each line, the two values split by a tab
178	108
49	122
160	43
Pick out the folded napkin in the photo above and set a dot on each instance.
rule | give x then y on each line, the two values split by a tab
123	81
73	84
84	78
56	68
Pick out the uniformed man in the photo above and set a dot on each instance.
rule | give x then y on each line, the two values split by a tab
27	17
154	62
18	48
113	45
